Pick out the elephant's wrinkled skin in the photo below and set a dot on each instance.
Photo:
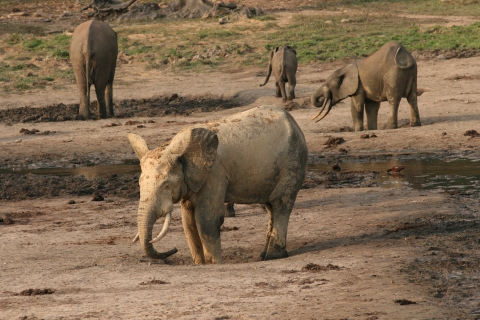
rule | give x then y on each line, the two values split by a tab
257	156
93	53
283	63
388	74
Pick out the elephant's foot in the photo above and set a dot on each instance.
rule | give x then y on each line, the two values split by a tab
391	126
274	253
415	124
229	210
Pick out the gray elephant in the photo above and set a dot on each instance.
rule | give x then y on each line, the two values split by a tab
257	156
387	75
93	53
283	63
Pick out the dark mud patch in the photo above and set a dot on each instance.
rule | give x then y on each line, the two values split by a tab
313	267
31	186
335	179
404	302
152	107
450	265
34	292
22	187
446	53
154	281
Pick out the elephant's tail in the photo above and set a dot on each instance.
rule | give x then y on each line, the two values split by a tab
87	75
268	75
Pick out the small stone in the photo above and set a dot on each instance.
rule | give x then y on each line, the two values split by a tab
441	57
71	202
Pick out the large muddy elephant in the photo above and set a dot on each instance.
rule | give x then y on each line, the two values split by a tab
93	53
388	74
283	63
257	156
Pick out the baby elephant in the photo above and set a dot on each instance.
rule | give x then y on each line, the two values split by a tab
93	53
388	74
283	63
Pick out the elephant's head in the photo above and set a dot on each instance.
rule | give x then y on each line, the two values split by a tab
169	174
338	86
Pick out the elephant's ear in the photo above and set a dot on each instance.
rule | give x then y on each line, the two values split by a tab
344	82
403	59
197	150
138	144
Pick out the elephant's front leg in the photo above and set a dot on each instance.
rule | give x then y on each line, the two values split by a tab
209	213
371	109
357	107
191	232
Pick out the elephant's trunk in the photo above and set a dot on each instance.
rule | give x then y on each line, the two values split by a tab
146	220
268	75
320	99
316	101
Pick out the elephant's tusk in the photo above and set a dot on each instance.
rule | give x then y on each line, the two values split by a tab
136	238
328	110
321	110
166	224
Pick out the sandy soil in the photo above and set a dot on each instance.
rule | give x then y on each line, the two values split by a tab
355	253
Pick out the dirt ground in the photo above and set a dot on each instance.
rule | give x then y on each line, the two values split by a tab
355	252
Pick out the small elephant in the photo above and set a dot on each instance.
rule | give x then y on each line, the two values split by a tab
93	53
283	63
257	156
388	74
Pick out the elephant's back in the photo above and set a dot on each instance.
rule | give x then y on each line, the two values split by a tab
257	147
93	37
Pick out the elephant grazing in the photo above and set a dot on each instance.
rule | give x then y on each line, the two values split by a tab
93	53
257	156
283	63
388	74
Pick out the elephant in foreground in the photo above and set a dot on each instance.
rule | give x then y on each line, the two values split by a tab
389	74
257	156
93	53
283	63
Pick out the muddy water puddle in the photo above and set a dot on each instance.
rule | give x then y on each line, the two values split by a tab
457	176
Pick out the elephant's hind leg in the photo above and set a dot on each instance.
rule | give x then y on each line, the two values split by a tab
371	109
414	114
276	243
109	99
191	232
292	82
102	106
281	84
278	92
